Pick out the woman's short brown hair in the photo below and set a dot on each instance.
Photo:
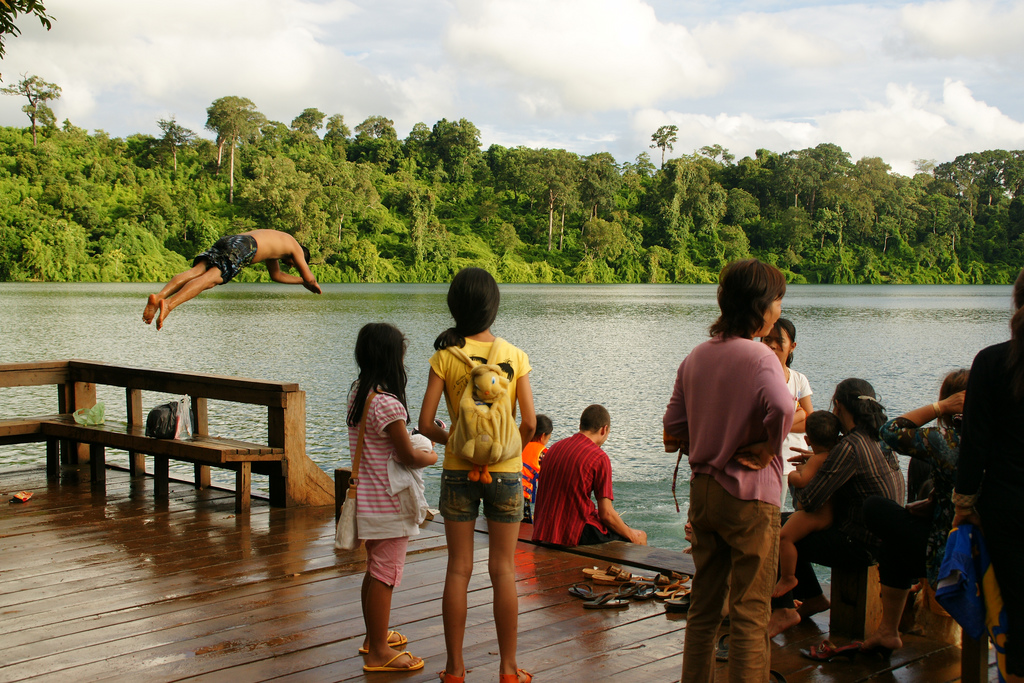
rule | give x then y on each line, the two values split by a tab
746	289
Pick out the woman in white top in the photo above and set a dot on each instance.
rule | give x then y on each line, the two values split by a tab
782	341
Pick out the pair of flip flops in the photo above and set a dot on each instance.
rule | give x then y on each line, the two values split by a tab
388	665
629	590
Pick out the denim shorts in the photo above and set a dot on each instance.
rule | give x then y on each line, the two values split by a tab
502	498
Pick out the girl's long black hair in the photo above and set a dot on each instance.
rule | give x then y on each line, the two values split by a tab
380	355
473	299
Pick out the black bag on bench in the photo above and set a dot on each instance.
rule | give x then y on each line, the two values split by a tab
170	420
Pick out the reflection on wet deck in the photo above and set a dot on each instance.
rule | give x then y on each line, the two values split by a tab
119	586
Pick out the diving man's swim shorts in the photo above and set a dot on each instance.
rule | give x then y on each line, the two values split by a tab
230	253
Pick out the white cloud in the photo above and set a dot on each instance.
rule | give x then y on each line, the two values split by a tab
965	28
580	54
152	59
767	39
909	125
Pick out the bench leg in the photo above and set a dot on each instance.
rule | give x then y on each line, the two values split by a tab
98	464
161	476
278	491
202	476
52	459
974	659
243	482
136	464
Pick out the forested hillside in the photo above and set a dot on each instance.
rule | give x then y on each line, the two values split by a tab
375	208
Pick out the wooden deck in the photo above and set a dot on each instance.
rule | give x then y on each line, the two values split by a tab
124	587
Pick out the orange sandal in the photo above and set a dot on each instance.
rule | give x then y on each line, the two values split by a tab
514	678
448	678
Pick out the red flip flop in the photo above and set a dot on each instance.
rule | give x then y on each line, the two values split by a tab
826	651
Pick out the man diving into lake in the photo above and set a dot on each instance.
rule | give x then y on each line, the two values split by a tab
222	262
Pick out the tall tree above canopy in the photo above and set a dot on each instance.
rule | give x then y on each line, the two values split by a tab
376	141
337	132
233	119
175	136
663	139
38	92
9	11
454	143
309	121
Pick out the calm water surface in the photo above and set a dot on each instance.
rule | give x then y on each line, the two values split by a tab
617	345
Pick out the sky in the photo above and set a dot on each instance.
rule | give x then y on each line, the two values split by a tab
896	80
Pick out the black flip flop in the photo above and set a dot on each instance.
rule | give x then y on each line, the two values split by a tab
607	601
582	590
776	677
644	592
678	605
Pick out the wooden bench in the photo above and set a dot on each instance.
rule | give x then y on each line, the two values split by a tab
294	478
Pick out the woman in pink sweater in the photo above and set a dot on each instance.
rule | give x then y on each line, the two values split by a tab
730	412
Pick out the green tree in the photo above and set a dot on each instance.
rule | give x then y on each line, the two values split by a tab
175	136
663	139
376	141
558	172
9	11
234	119
38	92
308	122
599	182
456	144
337	132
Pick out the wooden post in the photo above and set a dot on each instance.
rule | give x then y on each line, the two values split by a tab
856	602
974	659
201	428
243	482
136	461
302	481
84	396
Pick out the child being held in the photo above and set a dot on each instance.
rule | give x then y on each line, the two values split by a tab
822	433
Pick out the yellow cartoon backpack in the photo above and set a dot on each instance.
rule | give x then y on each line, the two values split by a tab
485	432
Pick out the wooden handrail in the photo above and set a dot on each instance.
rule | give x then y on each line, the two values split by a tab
218	387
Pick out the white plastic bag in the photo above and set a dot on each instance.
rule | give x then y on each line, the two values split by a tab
346	537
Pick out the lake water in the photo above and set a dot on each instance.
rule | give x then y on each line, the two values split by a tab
618	345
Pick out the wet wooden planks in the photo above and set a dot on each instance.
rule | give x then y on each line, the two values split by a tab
122	587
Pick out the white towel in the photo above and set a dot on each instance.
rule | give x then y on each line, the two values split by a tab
406	483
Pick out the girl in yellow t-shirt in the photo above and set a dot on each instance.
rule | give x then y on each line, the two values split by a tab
473	300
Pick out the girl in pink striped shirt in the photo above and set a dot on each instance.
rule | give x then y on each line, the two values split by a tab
377	398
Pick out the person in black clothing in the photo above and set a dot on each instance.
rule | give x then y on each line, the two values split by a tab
989	488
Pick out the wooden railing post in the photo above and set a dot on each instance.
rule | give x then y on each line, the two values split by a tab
83	396
136	461
201	428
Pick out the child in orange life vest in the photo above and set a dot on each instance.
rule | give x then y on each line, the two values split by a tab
532	454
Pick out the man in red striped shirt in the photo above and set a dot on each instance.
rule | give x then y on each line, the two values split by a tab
564	513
